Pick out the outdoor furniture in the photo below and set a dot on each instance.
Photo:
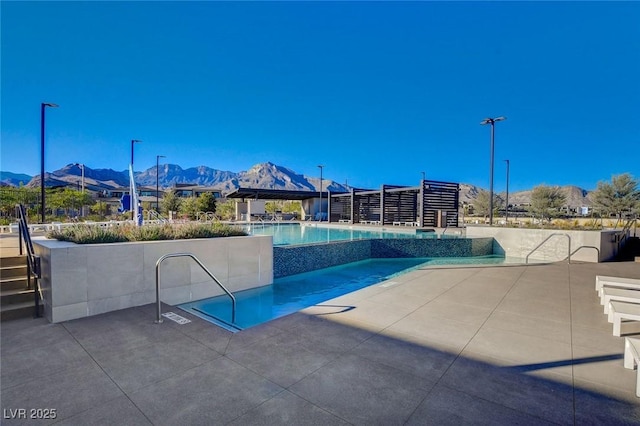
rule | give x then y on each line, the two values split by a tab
622	310
620	294
632	358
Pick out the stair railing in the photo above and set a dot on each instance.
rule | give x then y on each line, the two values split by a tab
626	231
33	261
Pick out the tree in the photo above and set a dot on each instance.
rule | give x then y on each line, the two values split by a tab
170	202
189	207
481	203
69	199
546	201
206	202
226	210
619	196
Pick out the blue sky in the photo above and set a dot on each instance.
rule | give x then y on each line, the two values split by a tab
377	92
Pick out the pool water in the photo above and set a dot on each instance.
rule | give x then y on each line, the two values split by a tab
293	234
293	293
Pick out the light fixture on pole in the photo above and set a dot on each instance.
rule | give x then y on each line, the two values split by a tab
81	168
158	157
506	208
491	121
424	175
133	196
321	167
42	201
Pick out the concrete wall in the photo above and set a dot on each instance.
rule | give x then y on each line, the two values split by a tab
519	242
90	279
289	260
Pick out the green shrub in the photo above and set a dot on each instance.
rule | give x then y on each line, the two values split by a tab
91	234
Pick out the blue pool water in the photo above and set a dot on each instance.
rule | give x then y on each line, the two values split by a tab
293	293
291	234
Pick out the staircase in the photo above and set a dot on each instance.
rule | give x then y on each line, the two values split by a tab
16	298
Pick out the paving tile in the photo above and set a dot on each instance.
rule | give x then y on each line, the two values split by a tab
512	388
413	358
537	327
521	349
426	326
143	365
27	334
337	337
210	394
605	367
445	406
69	392
37	363
605	406
119	411
361	391
456	311
285	358
287	409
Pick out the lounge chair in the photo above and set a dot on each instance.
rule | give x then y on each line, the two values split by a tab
602	280
632	358
622	310
608	294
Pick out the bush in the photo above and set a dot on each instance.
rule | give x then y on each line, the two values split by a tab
91	234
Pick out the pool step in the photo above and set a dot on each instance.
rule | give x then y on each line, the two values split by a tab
217	321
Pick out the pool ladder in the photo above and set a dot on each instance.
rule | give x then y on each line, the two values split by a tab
204	268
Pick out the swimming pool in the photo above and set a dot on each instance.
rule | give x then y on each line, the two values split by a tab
295	292
294	233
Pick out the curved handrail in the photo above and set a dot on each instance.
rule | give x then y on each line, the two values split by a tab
526	260
191	255
592	247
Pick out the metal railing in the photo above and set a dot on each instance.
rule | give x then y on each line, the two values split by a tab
33	261
204	268
591	247
626	231
547	239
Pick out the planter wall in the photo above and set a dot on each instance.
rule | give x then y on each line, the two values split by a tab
519	242
90	279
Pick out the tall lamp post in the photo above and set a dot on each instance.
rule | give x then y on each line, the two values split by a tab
320	167
81	168
133	196
491	121
506	208
158	157
43	106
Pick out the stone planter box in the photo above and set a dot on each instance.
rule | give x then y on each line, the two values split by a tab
80	280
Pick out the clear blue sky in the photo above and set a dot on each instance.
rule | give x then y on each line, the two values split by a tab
376	92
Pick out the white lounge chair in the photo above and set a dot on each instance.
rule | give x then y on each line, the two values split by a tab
622	310
608	294
602	281
632	358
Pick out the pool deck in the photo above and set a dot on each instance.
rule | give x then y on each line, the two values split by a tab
471	345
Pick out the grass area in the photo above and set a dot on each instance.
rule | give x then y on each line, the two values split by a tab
91	234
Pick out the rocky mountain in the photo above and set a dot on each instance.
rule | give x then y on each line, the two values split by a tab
263	175
13	179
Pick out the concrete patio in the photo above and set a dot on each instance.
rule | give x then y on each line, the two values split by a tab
494	345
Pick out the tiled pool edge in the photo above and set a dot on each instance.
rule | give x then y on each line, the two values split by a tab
290	260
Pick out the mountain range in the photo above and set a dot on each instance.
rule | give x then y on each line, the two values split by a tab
264	175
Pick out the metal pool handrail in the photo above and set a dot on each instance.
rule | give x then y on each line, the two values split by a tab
191	255
526	260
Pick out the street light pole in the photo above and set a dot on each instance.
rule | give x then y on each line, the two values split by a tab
491	121
158	157
81	168
42	201
506	209
321	167
133	197
424	176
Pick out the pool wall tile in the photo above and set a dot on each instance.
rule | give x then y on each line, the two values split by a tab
290	260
